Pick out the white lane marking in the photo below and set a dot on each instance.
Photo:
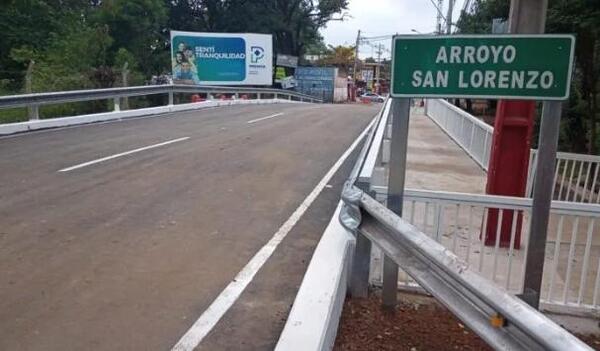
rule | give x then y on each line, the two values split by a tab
209	318
85	164
263	118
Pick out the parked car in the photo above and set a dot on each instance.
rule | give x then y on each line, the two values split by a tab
373	97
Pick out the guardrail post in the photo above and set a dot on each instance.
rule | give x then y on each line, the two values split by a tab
258	96
276	96
361	266
400	110
171	98
117	104
33	112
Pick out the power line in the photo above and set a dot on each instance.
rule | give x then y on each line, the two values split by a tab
379	37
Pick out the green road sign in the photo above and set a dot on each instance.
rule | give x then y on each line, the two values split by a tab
532	67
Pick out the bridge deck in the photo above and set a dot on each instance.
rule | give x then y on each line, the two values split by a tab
435	162
125	254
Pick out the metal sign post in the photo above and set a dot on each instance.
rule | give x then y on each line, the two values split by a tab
400	109
542	200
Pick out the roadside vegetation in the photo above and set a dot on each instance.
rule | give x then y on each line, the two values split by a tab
56	45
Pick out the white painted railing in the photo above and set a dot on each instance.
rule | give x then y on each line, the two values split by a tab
473	135
576	177
572	266
431	255
571	278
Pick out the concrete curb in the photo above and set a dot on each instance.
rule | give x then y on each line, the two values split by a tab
20	127
313	321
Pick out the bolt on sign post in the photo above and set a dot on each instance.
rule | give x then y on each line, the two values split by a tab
511	67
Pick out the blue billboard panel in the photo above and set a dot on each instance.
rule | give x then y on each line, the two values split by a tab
221	58
316	81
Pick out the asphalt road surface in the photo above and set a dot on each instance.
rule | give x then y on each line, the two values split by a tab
119	236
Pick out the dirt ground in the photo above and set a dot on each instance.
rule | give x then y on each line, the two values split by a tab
419	323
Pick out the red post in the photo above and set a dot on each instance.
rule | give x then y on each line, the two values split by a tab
196	98
508	166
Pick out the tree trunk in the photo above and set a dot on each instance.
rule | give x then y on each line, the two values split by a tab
469	104
593	126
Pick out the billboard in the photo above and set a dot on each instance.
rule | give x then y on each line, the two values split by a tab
287	61
221	58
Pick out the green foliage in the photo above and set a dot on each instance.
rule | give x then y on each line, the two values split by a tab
480	20
582	18
294	23
138	26
79	44
339	56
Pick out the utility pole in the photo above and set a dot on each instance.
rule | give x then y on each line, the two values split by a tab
378	67
356	56
449	16
438	25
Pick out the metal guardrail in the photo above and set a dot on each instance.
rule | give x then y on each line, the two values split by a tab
34	101
502	320
571	279
366	172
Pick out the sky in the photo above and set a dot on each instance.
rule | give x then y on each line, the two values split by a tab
384	17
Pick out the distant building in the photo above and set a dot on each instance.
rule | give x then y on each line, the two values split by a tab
322	83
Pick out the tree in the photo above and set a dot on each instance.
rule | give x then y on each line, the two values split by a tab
26	25
479	21
581	17
139	27
84	43
339	56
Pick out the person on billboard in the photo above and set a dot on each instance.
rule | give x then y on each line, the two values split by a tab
189	57
181	47
184	71
177	65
